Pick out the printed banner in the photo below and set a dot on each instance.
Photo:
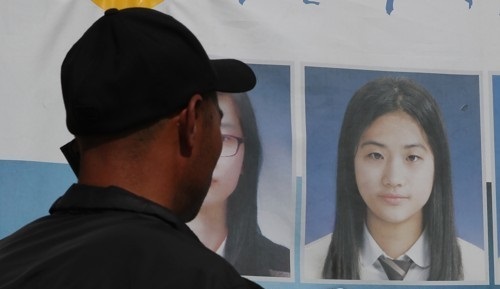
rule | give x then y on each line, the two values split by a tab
372	123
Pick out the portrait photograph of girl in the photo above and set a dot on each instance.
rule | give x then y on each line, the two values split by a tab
394	177
242	200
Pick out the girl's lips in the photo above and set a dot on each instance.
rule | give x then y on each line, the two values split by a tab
393	199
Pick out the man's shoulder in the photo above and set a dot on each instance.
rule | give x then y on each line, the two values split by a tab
125	249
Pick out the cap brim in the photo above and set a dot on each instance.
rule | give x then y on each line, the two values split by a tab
233	75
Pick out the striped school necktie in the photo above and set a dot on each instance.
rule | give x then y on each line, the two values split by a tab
395	269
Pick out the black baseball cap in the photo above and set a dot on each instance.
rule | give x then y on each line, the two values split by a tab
138	65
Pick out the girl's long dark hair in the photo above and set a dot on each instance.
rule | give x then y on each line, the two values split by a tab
371	101
242	204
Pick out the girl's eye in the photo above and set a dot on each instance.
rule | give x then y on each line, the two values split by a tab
413	158
375	156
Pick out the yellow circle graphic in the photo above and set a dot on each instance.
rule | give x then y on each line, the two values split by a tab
121	4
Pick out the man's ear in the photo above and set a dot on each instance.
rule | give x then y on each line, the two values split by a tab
187	125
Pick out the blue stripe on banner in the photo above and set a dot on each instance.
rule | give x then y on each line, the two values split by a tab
28	189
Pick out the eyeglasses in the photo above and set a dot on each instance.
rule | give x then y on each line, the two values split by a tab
230	145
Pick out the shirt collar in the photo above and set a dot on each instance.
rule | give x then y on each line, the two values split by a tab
86	198
222	248
419	252
370	251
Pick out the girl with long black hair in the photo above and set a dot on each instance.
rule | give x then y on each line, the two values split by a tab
394	207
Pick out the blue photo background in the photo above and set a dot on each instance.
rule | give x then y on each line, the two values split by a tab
327	92
271	100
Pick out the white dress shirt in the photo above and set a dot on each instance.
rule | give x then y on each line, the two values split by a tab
371	269
222	248
473	260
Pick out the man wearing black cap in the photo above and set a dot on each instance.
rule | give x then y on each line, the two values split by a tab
139	92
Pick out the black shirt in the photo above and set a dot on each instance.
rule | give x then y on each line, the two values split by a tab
111	238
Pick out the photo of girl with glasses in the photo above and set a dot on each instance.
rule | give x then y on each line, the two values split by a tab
227	221
394	217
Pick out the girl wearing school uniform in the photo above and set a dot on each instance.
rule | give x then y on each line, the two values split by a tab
394	215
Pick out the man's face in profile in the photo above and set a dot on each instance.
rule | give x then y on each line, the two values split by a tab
209	144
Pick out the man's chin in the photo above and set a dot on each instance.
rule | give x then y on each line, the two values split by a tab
189	216
191	212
